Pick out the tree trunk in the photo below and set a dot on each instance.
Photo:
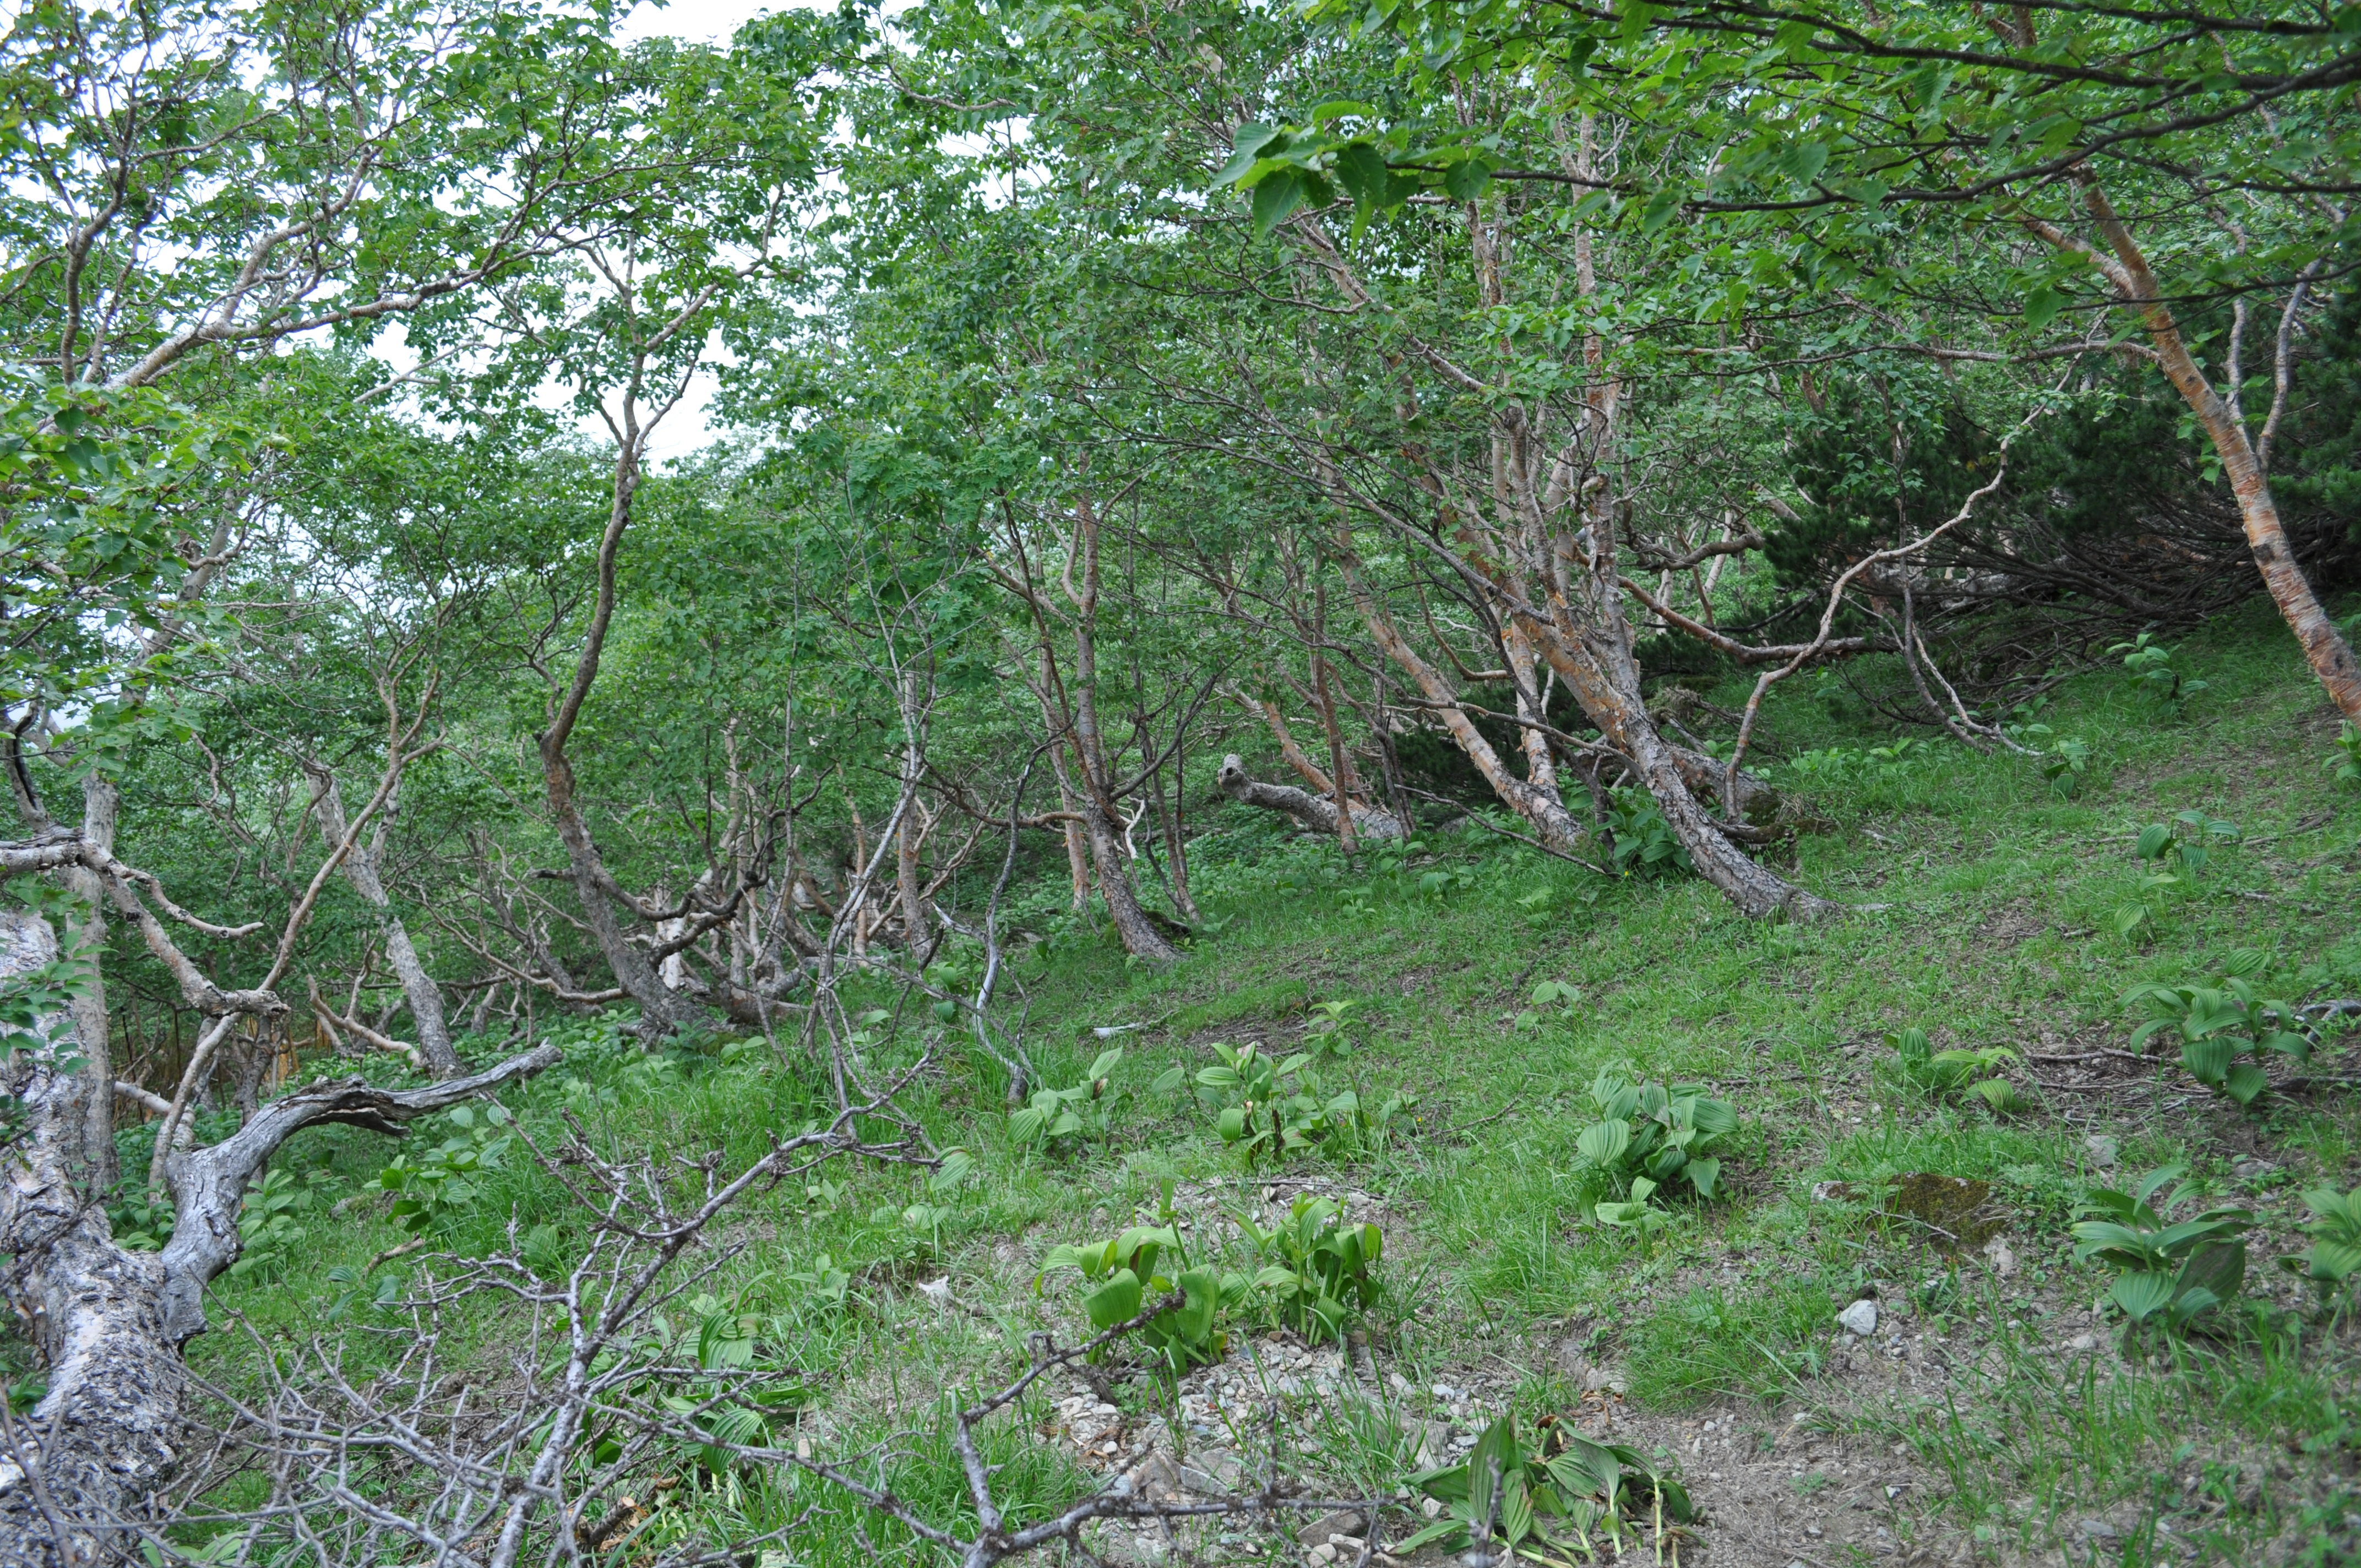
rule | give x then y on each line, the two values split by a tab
1140	938
361	869
110	1324
2325	648
1315	811
99	801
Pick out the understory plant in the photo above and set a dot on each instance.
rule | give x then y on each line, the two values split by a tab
1539	1503
2149	664
2335	1255
2169	1272
2344	765
2219	1024
1057	1117
1145	1264
445	1180
1318	1271
1926	1070
1267	1110
1648	1136
1645	844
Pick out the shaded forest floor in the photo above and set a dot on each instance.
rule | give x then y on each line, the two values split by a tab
1990	1417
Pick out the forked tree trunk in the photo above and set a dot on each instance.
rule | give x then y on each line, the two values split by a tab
110	1324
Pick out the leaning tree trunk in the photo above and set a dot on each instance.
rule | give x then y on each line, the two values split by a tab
2325	648
1317	813
418	987
110	1325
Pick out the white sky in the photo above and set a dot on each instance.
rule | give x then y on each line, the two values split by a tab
686	428
699	21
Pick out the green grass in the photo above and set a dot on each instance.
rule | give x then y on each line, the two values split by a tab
1991	893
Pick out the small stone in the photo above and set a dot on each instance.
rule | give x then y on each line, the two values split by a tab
1431	1509
1860	1318
1322	1554
2102	1150
2100	1530
2083	1341
2252	1170
1324	1529
1998	1254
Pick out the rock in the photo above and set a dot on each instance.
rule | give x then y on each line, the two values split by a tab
2252	1170
1343	1521
1213	1473
2102	1150
1321	1555
1998	1254
1835	1193
1951	1212
1157	1478
2098	1530
1860	1318
1429	1508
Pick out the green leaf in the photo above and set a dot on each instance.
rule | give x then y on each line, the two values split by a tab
1603	1142
1117	1301
1467	179
1278	197
2141	1296
1660	209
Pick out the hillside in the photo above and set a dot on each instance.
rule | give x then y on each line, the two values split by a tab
1991	1416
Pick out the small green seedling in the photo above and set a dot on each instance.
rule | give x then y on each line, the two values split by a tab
1069	1114
1555	994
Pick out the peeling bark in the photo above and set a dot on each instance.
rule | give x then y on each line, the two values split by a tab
110	1323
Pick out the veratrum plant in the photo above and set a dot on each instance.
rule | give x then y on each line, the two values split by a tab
2149	663
751	1411
2335	1255
1645	843
1318	1270
1056	1115
1929	1071
2219	1023
2168	1271
2182	843
1648	1136
444	1180
1548	1505
1268	1110
1143	1265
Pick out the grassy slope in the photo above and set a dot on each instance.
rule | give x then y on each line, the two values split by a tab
1993	893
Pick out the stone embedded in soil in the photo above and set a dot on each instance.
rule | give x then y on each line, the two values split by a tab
1860	1318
